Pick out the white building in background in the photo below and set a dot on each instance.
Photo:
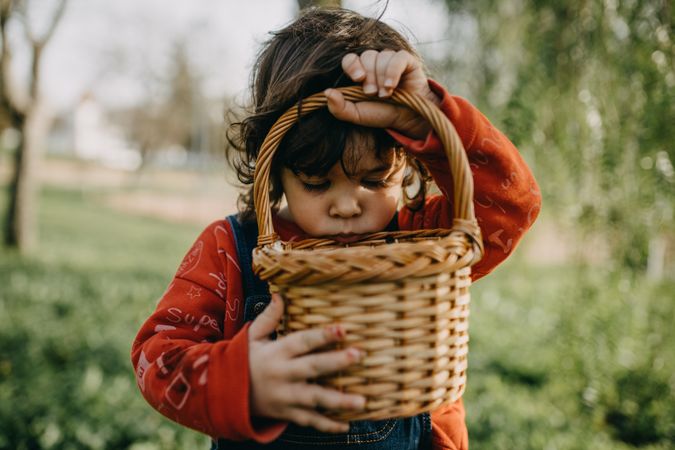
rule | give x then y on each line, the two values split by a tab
95	138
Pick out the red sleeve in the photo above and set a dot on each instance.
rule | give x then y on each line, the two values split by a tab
191	354
506	195
448	427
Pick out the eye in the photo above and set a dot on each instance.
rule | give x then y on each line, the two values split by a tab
375	184
316	187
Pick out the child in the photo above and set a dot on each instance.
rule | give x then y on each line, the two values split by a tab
204	358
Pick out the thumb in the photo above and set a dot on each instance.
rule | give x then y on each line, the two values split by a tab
337	105
268	320
374	114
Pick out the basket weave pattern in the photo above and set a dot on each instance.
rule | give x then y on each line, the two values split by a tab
402	297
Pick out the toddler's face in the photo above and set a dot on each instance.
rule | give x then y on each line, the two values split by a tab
341	206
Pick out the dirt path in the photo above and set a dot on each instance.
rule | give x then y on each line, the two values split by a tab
177	196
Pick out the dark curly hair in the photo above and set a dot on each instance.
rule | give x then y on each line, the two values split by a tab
299	60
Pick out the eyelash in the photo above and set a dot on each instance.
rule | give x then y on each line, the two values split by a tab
316	187
375	184
369	184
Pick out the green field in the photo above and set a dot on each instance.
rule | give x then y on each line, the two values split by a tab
561	357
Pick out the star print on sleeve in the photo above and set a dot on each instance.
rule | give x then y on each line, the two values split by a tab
194	292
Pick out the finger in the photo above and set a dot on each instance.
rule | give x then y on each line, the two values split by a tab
308	418
351	64
313	396
268	320
302	342
315	365
383	59
400	63
368	59
340	108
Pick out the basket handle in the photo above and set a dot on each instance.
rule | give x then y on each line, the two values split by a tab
465	219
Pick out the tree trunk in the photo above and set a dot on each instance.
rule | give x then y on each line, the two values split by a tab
21	227
11	232
28	115
656	258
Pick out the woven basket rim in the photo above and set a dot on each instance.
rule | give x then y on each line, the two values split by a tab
330	247
376	264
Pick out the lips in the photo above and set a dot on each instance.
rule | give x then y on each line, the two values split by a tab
346	238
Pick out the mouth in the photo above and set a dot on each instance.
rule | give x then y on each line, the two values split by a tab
345	238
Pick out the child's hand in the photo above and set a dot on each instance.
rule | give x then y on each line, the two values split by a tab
280	369
381	73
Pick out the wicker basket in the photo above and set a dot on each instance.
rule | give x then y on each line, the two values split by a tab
402	297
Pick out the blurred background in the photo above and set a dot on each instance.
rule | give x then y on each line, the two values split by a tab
111	162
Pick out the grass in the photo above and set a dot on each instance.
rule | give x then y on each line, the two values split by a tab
68	315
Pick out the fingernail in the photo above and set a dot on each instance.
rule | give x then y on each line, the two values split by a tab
383	92
359	403
358	73
369	88
355	354
328	92
337	331
389	82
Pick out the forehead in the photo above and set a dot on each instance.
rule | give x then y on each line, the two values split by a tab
361	154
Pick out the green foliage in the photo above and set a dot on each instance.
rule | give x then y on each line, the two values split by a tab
67	320
586	89
579	358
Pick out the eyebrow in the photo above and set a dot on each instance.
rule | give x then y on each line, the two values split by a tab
363	172
377	169
384	167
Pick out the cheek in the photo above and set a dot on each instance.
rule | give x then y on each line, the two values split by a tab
306	210
385	203
303	207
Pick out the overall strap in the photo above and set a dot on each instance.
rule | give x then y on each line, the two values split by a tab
393	223
256	291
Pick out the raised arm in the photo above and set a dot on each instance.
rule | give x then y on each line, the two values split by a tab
506	195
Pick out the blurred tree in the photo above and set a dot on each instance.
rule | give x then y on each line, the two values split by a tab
25	112
184	100
587	91
175	115
160	122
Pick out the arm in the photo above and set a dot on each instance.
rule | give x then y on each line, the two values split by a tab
184	368
245	386
506	195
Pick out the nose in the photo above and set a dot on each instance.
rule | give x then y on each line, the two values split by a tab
345	206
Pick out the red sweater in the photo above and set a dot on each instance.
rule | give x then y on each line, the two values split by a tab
191	354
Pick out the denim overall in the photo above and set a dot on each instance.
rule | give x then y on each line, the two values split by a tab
390	434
